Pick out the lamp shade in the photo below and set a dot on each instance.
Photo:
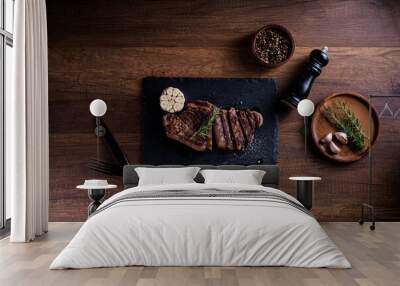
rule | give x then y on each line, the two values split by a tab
98	107
305	107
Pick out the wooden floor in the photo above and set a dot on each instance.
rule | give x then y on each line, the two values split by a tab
375	257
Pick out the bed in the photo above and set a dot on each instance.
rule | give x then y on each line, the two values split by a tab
201	224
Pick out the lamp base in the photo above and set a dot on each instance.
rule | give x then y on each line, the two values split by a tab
100	131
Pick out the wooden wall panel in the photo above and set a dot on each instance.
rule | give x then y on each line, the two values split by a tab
103	49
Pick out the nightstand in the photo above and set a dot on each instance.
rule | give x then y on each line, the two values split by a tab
96	191
305	189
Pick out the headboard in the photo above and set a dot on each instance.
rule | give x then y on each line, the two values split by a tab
271	177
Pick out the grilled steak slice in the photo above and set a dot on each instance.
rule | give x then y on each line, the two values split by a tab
251	119
178	130
227	130
205	108
200	105
258	118
196	113
246	127
210	139
182	127
192	119
236	129
219	135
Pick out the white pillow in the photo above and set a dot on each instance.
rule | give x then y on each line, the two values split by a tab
248	177
165	176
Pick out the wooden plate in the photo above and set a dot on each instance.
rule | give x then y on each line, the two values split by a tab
320	125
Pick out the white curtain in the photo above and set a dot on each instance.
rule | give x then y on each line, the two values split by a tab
27	124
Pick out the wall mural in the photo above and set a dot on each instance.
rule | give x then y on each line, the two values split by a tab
83	66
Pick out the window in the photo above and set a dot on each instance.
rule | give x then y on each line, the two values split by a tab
6	65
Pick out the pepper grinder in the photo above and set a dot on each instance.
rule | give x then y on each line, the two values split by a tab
302	85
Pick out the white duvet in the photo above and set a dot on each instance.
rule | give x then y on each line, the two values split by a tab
200	231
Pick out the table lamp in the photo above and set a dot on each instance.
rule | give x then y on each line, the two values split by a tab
305	108
98	108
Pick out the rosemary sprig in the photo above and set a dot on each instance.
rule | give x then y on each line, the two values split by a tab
343	119
203	130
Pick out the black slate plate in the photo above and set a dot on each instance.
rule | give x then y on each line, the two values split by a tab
254	93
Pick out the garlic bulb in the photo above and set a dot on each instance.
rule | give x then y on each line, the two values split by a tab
341	137
327	138
334	148
172	100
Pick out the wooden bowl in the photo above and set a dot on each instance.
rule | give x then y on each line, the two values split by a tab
284	31
320	126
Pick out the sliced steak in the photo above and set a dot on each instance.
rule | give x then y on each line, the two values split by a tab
227	130
204	108
246	127
237	133
178	130
182	127
197	112
258	118
200	105
251	119
232	130
192	119
219	135
210	139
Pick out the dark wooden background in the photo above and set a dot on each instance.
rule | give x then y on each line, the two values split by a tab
103	49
